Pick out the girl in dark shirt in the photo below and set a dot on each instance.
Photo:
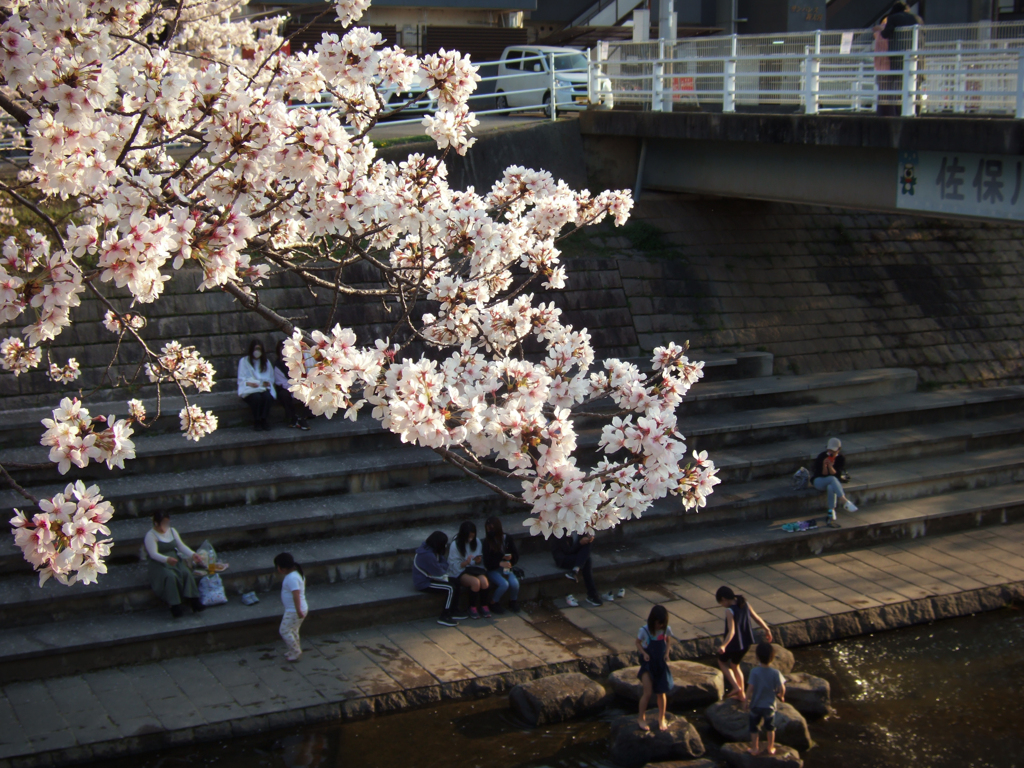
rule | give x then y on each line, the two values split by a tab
739	636
500	554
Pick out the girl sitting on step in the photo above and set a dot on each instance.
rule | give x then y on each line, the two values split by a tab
500	555
430	574
739	636
465	564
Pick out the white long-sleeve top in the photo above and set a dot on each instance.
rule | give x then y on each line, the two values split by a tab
455	558
153	536
247	373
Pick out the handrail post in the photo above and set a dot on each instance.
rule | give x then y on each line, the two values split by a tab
811	70
729	79
1020	85
554	91
658	84
960	81
910	74
591	77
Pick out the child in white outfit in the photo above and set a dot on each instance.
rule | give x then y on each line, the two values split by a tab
293	596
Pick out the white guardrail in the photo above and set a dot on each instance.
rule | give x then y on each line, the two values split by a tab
975	69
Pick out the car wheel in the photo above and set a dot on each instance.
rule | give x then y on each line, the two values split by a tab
547	105
501	102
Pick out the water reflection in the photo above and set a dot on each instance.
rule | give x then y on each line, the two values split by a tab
947	695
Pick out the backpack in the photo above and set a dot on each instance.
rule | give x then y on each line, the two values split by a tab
801	479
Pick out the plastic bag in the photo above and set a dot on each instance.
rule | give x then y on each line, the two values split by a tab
801	479
206	555
211	591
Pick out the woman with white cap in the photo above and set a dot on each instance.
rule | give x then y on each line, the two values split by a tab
828	466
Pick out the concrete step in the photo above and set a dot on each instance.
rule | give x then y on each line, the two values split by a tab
772	425
98	641
21	427
219	486
354	554
228	447
291	520
781	459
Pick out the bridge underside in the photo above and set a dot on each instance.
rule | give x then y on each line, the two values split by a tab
954	168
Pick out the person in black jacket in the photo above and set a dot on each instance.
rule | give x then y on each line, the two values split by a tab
899	17
572	552
828	466
500	554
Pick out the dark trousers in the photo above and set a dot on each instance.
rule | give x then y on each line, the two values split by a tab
259	404
450	592
293	409
579	560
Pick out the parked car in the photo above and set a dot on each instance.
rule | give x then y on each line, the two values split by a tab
423	103
524	79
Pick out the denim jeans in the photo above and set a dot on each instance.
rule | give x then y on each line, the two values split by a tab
503	581
833	486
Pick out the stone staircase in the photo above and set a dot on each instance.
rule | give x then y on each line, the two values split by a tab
351	504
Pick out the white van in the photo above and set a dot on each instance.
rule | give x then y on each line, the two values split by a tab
524	79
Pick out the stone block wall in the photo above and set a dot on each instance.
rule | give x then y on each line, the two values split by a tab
826	289
221	331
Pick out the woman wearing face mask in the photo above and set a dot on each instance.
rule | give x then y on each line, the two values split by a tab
256	384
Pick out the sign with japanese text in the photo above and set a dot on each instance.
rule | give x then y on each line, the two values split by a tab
806	15
963	183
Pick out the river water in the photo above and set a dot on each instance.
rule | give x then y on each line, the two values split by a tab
942	695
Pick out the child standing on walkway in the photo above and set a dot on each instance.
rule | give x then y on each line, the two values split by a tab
767	687
739	636
652	643
293	595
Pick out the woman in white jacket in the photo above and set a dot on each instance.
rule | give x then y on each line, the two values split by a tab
256	384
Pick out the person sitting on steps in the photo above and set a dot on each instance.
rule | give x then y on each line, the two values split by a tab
465	566
256	385
294	411
828	466
170	566
429	574
500	555
572	552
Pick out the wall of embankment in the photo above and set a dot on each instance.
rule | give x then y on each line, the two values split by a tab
822	289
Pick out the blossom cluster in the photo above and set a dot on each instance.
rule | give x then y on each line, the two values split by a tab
182	365
64	374
63	539
76	437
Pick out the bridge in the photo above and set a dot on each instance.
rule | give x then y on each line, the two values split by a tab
792	117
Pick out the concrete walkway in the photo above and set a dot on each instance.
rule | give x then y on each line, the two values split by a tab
388	668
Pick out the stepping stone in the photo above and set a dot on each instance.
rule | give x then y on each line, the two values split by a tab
737	756
557	698
809	695
783	660
702	763
632	747
697	685
733	722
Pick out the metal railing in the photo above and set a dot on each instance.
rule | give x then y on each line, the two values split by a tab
959	69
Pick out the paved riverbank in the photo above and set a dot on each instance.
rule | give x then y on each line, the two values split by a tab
388	668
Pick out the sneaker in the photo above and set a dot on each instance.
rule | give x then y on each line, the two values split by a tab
485	612
513	605
608	598
459	616
594	600
496	609
621	593
832	523
572	602
302	425
572	575
447	621
831	515
850	506
474	613
293	658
